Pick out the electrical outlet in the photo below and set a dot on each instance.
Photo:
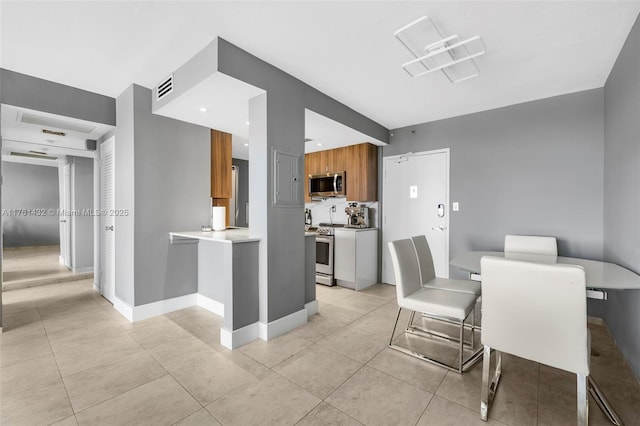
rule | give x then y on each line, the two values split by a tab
333	209
456	206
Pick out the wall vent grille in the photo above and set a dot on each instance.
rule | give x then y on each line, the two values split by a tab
165	87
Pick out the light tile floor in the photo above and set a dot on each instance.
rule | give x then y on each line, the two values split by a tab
68	358
24	267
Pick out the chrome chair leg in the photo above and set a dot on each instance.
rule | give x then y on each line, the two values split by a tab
583	400
489	389
462	365
395	324
602	402
473	328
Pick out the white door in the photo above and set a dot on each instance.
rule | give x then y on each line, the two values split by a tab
107	203
416	202
64	217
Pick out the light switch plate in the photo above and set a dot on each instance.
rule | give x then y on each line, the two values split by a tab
413	191
456	206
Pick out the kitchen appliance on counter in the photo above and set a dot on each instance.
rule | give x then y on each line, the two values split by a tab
331	184
358	216
324	253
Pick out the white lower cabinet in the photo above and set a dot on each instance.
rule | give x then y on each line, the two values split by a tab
356	257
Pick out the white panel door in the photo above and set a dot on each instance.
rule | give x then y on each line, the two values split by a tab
107	204
416	202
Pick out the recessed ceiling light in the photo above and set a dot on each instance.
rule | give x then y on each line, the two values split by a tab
203	109
247	123
319	144
246	144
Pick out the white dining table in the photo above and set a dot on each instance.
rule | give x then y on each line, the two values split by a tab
600	276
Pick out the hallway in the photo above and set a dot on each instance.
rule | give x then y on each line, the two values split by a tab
24	267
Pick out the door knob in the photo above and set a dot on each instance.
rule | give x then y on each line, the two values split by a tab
439	228
108	228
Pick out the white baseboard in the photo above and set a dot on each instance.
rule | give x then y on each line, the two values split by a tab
143	312
123	308
210	305
282	325
242	336
96	288
311	307
83	270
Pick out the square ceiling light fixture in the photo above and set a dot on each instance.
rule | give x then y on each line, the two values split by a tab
434	52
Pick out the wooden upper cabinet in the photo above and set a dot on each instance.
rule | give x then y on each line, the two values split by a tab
338	159
360	162
362	172
220	164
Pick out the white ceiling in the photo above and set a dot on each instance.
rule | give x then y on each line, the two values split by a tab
221	102
328	134
345	49
19	136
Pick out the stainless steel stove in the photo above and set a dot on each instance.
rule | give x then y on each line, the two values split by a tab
324	253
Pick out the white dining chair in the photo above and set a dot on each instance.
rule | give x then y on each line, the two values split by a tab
537	312
530	244
428	274
451	306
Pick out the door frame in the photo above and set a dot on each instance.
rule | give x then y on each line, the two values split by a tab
98	232
385	160
65	218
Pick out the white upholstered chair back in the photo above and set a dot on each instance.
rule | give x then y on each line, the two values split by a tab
425	260
536	311
405	267
530	244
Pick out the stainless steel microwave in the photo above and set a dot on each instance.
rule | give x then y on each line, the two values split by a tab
328	185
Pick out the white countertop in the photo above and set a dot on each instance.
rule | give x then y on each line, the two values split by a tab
356	229
236	235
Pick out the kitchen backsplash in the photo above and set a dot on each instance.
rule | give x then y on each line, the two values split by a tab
321	211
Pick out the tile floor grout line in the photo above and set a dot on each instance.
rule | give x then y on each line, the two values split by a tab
55	359
303	417
433	395
270	370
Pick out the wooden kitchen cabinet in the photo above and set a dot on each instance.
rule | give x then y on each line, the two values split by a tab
220	164
221	169
360	162
361	165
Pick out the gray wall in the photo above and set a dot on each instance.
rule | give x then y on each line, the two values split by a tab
28	186
621	194
243	190
82	225
172	179
533	168
42	95
282	250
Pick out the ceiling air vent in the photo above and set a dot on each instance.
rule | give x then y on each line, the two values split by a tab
165	87
58	123
41	156
53	132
